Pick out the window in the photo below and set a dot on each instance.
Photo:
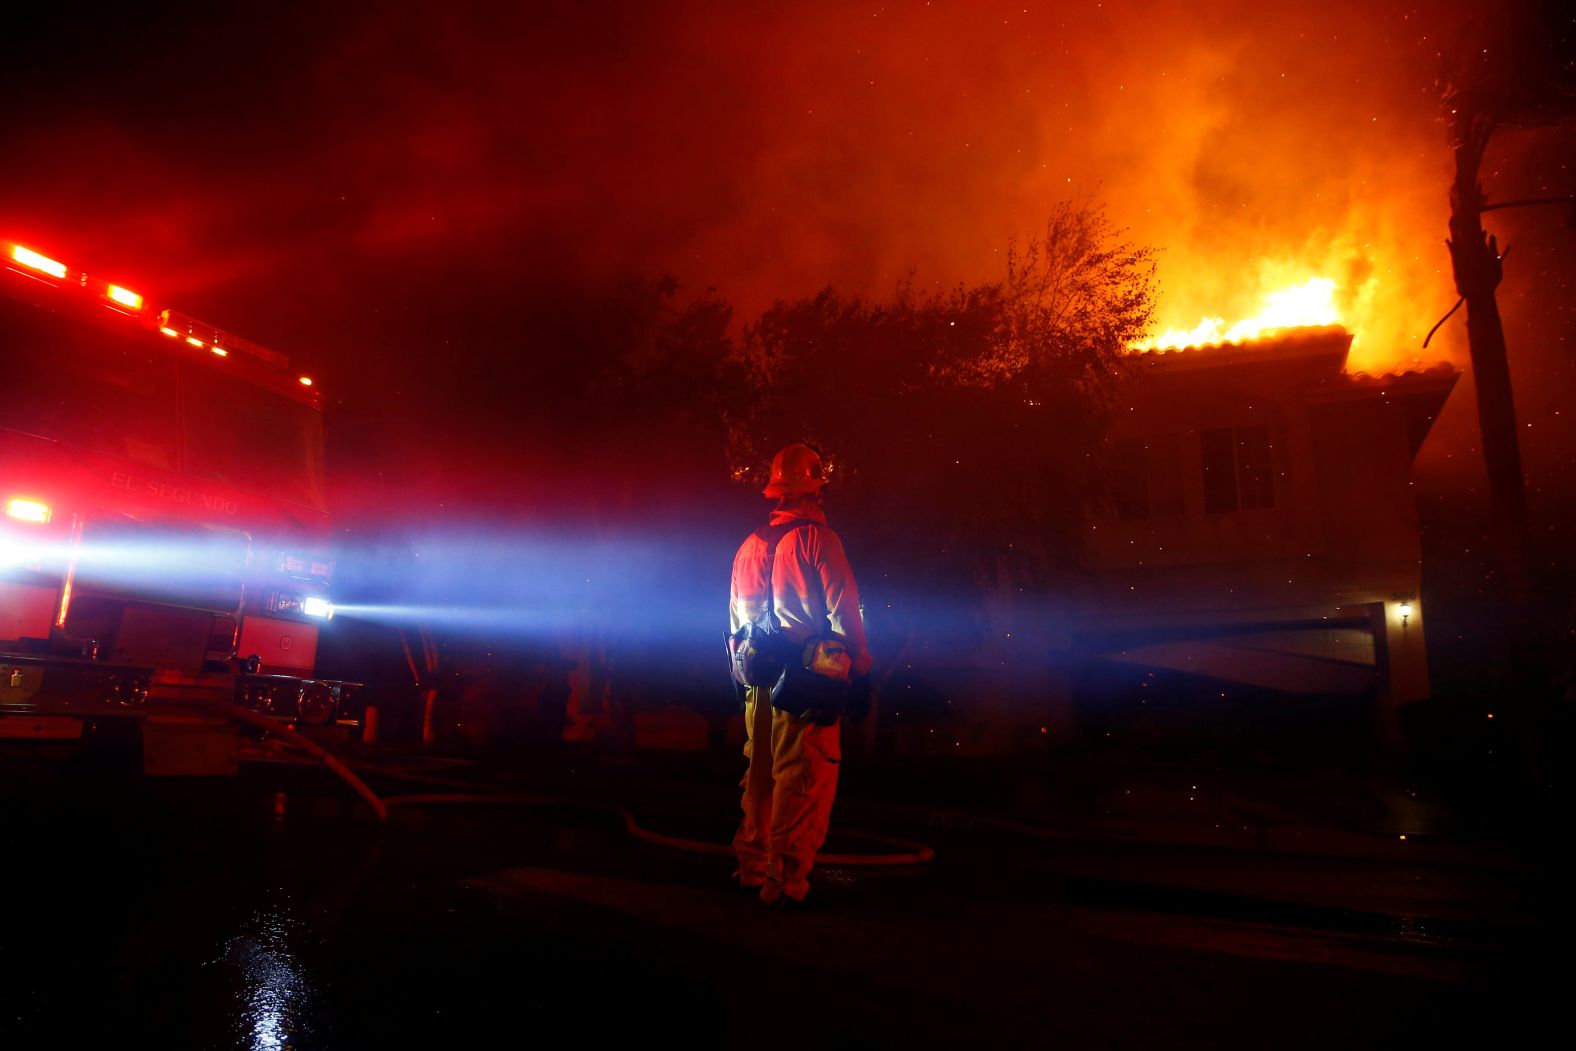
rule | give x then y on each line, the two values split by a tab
115	394
1146	477
251	438
74	383
1239	469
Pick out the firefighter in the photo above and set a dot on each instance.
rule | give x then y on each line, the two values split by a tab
793	761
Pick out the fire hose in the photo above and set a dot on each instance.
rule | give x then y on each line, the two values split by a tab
907	851
911	853
274	727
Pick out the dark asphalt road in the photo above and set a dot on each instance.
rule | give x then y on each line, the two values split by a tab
223	915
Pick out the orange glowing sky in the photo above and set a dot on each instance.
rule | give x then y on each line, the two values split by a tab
1258	150
761	152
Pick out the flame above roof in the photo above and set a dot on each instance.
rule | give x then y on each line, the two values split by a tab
1282	345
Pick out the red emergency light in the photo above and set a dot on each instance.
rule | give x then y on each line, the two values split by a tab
25	509
125	297
125	301
34	261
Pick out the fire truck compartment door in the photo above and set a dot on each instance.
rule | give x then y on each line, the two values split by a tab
165	637
26	610
286	646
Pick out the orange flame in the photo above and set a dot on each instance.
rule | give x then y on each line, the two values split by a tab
1310	303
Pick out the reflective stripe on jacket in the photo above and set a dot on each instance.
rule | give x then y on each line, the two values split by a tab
812	583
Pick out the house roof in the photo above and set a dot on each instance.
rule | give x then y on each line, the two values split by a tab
1437	378
1322	352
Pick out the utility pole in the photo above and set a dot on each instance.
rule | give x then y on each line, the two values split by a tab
1476	261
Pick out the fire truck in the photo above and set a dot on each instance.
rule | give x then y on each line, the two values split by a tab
164	538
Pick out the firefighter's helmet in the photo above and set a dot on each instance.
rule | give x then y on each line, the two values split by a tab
796	471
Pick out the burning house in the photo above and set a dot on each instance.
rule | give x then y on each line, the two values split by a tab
1260	529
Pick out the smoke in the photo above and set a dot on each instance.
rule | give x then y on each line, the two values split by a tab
769	153
764	152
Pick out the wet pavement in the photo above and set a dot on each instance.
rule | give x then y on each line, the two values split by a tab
268	912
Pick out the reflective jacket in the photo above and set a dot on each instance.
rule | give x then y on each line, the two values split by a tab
812	583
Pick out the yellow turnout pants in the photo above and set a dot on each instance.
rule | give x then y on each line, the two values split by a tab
788	791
